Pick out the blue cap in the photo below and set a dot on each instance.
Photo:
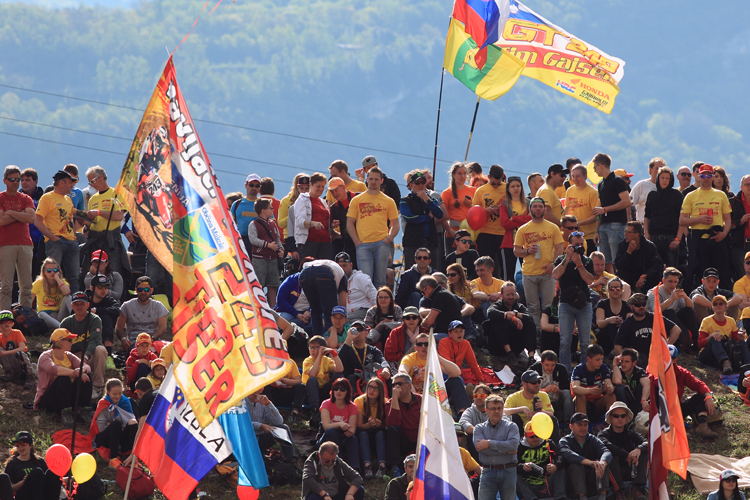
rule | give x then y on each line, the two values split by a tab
673	351
339	310
455	324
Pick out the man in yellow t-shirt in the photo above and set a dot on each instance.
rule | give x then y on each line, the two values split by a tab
519	406
367	223
55	220
340	169
713	331
538	242
555	178
742	285
486	288
319	371
105	206
580	200
490	197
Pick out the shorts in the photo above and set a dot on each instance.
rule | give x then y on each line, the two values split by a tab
267	271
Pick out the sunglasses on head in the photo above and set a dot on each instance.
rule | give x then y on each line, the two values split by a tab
52	270
13	179
147	289
422	257
411	317
75	179
576	233
619	415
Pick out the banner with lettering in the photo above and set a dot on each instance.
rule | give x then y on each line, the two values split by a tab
561	60
224	332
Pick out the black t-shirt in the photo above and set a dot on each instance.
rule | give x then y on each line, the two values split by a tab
609	194
635	378
688	190
605	305
637	334
353	360
448	305
552	315
572	277
467	261
17	469
145	404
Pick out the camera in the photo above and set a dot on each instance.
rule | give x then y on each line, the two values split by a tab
579	250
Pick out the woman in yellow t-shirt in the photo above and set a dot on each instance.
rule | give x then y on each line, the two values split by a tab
52	294
371	426
714	331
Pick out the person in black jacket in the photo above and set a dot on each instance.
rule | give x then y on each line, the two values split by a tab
587	460
104	306
629	449
556	383
739	235
419	212
512	327
638	261
407	293
338	213
547	479
662	218
26	474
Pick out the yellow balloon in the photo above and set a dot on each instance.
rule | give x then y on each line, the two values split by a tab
593	177
83	468
465	225
541	424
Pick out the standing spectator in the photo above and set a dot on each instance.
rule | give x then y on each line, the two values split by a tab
514	213
709	288
610	313
475	415
593	391
420	213
340	170
407	293
51	292
628	448
685	178
267	191
636	330
485	290
615	204
327	477
513	328
538	243
675	305
317	372
100	266
709	215
661	220
721	181
29	180
243	210
54	218
16	247
696	179
402	414
267	248
383	316
458	199
439	306
312	221
497	442
464	256
300	184
587	460
638	260
631	382
642	188
141	314
553	210
715	330
338	416
76	195
573	272
388	186
342	198
535	181
362	293
371	426
555	381
490	198
740	235
542	453
325	287
368	219
580	201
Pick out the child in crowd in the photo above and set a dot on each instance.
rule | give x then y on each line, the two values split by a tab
52	294
265	238
158	372
336	335
26	474
715	331
457	349
13	357
139	361
464	254
316	373
114	425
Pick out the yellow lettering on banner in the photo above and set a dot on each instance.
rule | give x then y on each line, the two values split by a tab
593	56
525	31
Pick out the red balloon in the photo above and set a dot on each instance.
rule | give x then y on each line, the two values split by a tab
476	217
247	493
58	459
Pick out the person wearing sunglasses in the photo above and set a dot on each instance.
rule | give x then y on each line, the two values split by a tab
512	328
340	170
548	480
361	361
407	293
464	255
636	330
729	488
628	449
141	314
401	340
339	420
555	179
243	210
580	200
422	215
326	476
475	415
522	405
740	235
638	261
661	220
52	294
684	178
709	215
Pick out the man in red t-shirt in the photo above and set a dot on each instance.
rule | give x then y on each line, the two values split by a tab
16	247
13	358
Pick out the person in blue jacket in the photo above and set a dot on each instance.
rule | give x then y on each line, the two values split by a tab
421	214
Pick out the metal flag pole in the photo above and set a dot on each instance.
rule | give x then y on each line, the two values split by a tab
473	121
437	127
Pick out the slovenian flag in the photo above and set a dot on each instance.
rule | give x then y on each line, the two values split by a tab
174	447
439	473
483	20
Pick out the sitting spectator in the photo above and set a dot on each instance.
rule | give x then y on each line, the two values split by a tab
398	487
485	290
106	307
550	323
728	487
513	328
265	417
632	386
402	339
325	286
158	372
265	237
719	334
521	406
439	306
497	441
610	314
699	405
402	414
13	353
587	460
51	291
602	278
114	425
336	335
139	362
707	290
100	266
371	426
638	260
548	480
675	305
459	286
629	450
457	349
58	369
361	361
362	293
327	477
555	382
382	317
288	391
475	415
464	255
338	416
407	293
27	476
141	314
636	330
88	329
317	371
593	392
742	285
291	303
415	365
27	320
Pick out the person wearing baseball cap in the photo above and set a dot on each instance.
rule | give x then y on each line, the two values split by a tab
627	448
714	331
709	215
138	363
15	360
58	370
102	266
356	355
464	255
104	305
420	213
521	406
729	487
555	179
336	335
457	349
340	170
707	290
243	210
158	372
636	330
587	459
27	473
388	186
539	468
341	197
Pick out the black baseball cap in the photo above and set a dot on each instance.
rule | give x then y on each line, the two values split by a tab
579	417
558	169
23	437
530	376
462	233
100	280
711	271
416	176
61	174
79	297
343	256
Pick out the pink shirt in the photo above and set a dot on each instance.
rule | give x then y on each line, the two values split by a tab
48	370
339	414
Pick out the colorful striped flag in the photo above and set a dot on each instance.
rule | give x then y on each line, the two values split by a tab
495	78
483	20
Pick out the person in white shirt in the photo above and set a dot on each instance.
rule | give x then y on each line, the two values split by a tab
362	293
639	193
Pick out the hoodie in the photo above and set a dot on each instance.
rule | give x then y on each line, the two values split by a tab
545	453
645	260
663	210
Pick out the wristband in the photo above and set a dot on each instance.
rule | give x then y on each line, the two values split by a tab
579	265
678	239
334	354
605	209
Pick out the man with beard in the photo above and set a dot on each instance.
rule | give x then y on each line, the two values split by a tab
521	406
141	314
513	327
635	331
628	449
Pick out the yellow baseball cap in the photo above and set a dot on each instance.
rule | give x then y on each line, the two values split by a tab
621	172
143	337
61	333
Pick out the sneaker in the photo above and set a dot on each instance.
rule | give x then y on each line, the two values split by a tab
381	472
397	472
726	368
115	463
368	471
97	392
511	358
638	494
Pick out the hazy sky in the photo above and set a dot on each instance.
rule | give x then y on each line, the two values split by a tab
74	3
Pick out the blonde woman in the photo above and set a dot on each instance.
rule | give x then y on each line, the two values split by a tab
52	294
286	202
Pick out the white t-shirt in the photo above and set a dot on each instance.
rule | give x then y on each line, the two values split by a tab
638	196
142	318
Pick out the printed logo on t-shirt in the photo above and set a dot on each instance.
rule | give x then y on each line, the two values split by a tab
368	209
532	238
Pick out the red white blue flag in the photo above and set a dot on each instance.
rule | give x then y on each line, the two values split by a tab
484	20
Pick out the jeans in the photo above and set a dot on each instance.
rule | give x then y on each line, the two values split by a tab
610	235
533	287
350	445
555	481
319	286
372	259
631	398
364	445
456	390
570	316
493	481
714	353
15	259
582	480
66	253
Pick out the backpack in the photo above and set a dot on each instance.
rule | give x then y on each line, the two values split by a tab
283	473
93	489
